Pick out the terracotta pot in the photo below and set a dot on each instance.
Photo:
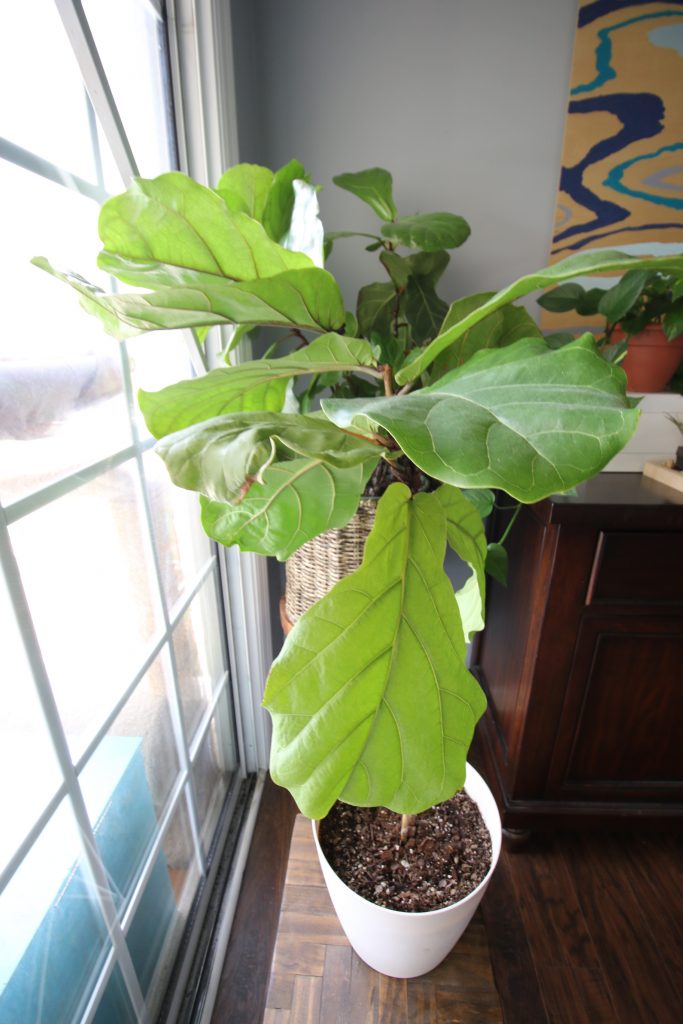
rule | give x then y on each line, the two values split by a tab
651	360
406	945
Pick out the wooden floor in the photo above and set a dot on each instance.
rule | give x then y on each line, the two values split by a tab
574	929
317	977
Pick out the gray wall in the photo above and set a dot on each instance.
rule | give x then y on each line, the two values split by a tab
462	100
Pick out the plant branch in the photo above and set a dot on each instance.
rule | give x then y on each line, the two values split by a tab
509	526
388	379
384	442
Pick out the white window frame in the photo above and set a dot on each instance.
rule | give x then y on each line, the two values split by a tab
200	48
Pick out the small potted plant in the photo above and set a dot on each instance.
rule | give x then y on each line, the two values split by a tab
422	404
643	315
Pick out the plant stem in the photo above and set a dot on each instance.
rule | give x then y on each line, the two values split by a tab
407	826
511	523
388	380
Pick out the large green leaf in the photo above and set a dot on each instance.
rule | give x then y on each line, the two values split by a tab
428	231
158	228
94	301
224	457
245	189
417	275
499	329
563	298
524	418
606	261
465	532
617	301
308	299
423	309
296	501
370	698
373	186
260	384
277	214
376	308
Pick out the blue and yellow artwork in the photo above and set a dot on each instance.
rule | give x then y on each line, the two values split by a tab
621	185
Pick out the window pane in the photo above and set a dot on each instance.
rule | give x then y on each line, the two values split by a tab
127	782
182	546
147	717
134	28
53	940
88	573
50	119
199	656
115	1006
213	767
22	729
62	401
157	359
158	922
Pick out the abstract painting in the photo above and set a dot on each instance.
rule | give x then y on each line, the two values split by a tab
621	184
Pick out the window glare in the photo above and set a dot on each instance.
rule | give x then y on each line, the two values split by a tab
44	101
118	592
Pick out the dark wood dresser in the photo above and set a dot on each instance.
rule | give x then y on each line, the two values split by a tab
582	660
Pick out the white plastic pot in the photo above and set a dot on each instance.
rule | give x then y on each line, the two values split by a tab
406	945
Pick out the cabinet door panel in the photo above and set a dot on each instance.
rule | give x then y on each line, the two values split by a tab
644	568
621	729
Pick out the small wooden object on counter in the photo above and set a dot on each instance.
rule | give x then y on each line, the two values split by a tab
665	474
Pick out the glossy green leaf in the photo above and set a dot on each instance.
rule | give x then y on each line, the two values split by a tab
465	533
618	300
589	303
482	500
423	309
500	329
428	231
497	563
373	186
558	339
308	299
277	214
94	301
159	229
594	262
259	384
673	323
524	419
397	268
370	698
245	189
223	457
376	308
564	298
296	501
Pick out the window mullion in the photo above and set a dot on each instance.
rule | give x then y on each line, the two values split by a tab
182	740
93	862
77	29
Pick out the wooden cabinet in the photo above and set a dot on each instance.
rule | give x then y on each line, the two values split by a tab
582	659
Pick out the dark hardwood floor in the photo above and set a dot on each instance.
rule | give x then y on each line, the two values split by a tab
581	928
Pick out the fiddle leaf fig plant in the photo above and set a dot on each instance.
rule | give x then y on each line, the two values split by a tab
424	404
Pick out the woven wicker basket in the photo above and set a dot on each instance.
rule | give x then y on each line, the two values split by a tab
320	563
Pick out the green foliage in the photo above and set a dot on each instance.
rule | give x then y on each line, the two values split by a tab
640	298
374	187
370	697
508	418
